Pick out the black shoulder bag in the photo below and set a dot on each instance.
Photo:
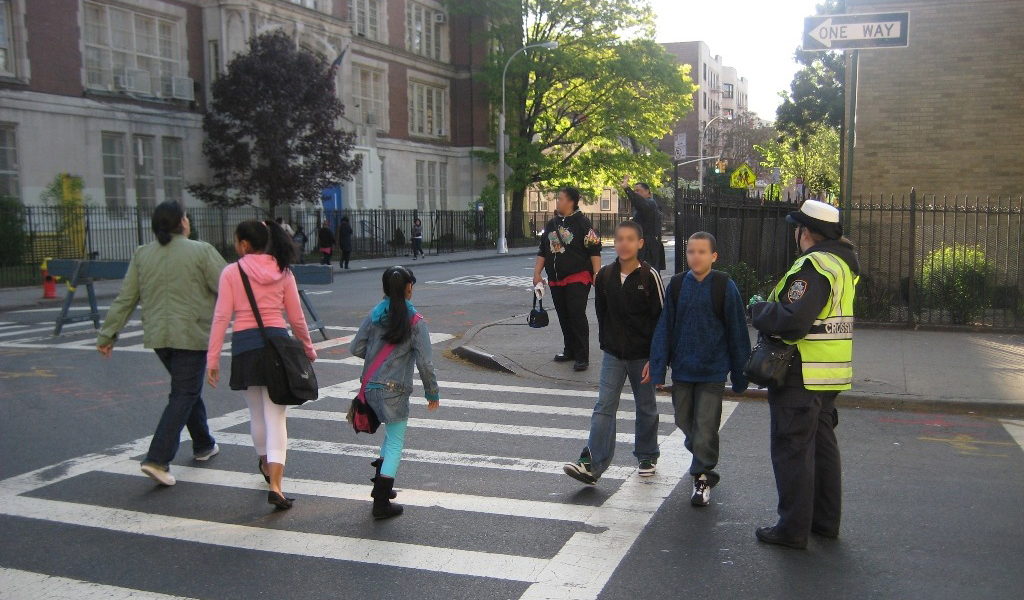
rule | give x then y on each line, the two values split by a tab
769	362
290	377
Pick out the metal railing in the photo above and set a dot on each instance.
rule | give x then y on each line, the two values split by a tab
931	260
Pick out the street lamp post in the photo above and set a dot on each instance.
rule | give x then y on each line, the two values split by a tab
700	164
502	246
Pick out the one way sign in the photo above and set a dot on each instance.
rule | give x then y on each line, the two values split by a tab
848	32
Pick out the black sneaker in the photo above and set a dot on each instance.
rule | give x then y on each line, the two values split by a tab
771	535
564	357
701	491
581	471
581	365
648	467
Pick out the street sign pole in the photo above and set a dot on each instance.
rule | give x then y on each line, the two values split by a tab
851	132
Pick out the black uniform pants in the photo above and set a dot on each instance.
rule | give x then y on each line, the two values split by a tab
571	307
805	457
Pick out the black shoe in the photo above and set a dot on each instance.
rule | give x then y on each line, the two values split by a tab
769	535
382	506
581	365
279	500
262	472
825	533
378	464
563	357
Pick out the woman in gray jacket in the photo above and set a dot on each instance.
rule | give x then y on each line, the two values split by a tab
395	329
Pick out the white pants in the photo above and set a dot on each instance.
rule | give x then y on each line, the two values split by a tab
267	424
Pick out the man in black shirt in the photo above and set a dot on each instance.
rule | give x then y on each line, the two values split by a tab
647	214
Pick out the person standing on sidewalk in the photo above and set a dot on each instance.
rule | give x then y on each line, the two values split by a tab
703	335
417	238
628	296
570	253
647	214
345	242
301	239
325	242
812	308
266	254
176	278
395	329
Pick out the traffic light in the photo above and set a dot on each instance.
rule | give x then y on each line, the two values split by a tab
720	166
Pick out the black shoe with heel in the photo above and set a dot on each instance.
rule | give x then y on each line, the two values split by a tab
564	357
383	508
279	500
262	472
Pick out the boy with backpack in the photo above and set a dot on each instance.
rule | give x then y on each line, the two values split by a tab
628	299
702	335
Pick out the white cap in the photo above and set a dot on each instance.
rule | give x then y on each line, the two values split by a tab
822	211
819	216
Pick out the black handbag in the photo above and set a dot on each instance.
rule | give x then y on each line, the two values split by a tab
289	374
769	362
538	316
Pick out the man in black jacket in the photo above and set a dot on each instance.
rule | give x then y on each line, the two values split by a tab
647	214
628	299
570	253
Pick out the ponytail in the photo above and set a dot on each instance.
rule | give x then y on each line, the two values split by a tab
268	237
395	280
167	217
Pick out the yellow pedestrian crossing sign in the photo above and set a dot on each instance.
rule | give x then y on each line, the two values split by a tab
743	177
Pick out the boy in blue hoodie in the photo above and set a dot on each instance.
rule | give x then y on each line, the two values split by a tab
702	335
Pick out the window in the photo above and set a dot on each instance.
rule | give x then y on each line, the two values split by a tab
174	169
114	171
606	199
727	112
426	110
130	51
423	30
368	96
431	184
705	99
705	71
214	56
365	18
534	200
9	182
728	91
145	176
6	39
359	183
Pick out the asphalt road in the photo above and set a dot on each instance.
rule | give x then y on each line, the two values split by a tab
931	502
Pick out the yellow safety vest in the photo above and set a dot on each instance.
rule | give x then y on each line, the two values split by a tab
827	350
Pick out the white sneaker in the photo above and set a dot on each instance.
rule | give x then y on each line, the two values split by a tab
208	454
157	474
701	491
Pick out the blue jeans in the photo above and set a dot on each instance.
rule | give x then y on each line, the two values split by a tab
699	414
601	444
184	408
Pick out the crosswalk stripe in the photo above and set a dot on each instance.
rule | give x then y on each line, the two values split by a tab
25	584
506	463
91	343
333	342
490	387
44	329
492	505
472	427
295	543
564	411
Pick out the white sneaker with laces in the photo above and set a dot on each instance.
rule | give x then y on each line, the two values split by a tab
208	454
159	475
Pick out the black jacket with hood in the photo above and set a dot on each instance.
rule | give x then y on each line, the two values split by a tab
628	311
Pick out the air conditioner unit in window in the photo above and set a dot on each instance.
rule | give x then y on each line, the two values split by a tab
440	132
440	18
182	88
371	118
135	81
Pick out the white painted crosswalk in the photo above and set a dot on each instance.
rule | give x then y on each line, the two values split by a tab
598	538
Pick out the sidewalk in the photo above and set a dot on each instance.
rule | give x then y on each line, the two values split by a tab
893	368
32	297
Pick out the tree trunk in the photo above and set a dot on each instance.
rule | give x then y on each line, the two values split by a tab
515	222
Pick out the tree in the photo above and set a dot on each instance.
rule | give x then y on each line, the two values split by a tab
272	129
590	111
816	161
739	138
817	95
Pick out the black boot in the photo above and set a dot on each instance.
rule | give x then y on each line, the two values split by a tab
378	464
382	506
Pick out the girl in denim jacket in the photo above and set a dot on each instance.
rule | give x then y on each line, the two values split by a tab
394	321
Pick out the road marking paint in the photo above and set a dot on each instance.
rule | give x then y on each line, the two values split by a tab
1016	431
44	329
25	584
483	461
473	427
277	541
57	309
967	444
9	326
518	389
340	328
584	565
533	409
333	342
91	343
495	505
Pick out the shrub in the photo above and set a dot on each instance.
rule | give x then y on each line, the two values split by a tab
13	237
745	278
960	280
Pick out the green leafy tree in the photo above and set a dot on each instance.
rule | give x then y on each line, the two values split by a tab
272	131
959	279
817	95
13	234
590	111
816	161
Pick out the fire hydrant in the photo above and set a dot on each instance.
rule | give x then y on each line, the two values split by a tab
49	283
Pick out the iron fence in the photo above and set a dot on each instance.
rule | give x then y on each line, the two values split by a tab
29	235
932	260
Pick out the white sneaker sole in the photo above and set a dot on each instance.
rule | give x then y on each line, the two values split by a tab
583	478
647	473
213	452
159	475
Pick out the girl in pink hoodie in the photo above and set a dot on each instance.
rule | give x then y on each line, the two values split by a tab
266	252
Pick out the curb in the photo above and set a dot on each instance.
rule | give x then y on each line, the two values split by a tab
852	399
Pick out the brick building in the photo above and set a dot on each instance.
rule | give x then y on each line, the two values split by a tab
944	115
114	90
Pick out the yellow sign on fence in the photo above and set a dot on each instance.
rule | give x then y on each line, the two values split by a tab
743	177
